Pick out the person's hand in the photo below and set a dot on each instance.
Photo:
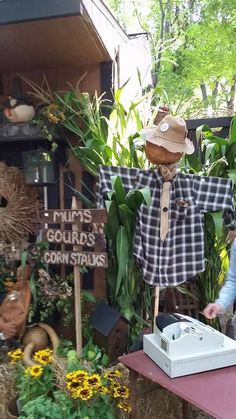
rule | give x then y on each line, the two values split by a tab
212	310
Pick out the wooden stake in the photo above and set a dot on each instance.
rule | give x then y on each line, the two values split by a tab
77	291
156	307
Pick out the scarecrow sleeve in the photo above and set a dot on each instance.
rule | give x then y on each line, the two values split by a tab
128	176
215	194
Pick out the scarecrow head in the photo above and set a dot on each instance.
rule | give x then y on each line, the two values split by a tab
167	142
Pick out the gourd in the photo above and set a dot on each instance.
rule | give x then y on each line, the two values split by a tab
159	155
36	339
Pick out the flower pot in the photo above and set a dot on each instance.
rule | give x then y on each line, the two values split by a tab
13	410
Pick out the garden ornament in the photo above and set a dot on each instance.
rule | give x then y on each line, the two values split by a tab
165	145
18	107
14	310
36	338
169	235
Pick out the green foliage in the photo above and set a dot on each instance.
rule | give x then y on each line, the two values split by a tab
30	385
60	407
192	46
124	277
216	157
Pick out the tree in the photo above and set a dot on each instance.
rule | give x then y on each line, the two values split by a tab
192	44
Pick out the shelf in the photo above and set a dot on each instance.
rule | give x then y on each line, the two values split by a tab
20	132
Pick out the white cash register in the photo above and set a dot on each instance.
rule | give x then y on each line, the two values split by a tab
182	345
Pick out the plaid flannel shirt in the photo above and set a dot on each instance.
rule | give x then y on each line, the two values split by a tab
181	255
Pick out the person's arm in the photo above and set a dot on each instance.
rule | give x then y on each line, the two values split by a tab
227	293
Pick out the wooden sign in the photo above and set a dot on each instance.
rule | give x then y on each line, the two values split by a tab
75	238
71	216
74	258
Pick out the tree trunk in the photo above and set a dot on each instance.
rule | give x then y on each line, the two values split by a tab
214	95
232	96
204	95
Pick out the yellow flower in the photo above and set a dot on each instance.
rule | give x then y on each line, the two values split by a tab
111	375
72	385
35	371
121	391
124	406
94	380
103	390
84	393
44	356
15	356
77	375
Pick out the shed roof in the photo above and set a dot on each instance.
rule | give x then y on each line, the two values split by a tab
56	33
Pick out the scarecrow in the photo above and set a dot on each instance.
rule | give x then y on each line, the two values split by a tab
169	236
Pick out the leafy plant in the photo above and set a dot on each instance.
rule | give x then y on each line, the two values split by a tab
58	407
216	157
34	381
75	389
123	275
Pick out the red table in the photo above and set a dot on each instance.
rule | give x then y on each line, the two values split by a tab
211	391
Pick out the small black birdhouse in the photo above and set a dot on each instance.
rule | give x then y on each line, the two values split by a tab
110	331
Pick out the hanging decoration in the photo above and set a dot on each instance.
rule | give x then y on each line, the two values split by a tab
19	205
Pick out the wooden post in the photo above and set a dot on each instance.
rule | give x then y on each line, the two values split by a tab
77	291
156	307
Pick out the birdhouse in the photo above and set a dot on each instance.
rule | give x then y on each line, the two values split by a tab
110	331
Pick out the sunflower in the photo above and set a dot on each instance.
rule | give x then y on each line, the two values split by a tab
84	393
102	389
77	375
111	375
73	385
44	356
124	406
15	356
93	380
35	371
121	391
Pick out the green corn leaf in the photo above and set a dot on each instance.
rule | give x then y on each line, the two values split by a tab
92	155
214	139
218	222
194	162
232	175
231	154
118	188
209	150
122	249
113	223
127	219
135	198
232	131
202	129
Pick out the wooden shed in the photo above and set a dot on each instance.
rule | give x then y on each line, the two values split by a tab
64	40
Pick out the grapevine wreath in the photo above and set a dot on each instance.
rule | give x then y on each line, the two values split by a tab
19	205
